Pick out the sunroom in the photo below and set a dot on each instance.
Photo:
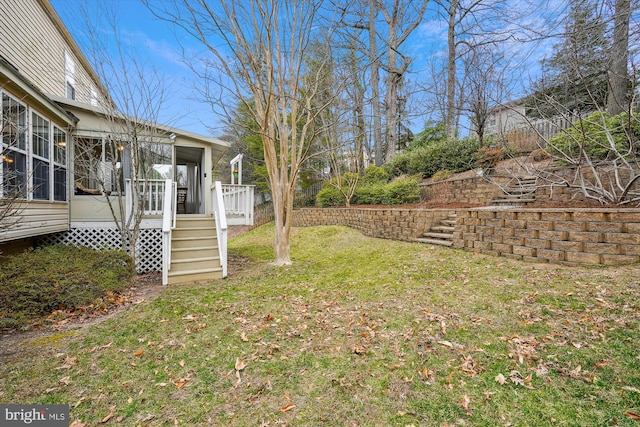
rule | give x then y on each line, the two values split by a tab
134	182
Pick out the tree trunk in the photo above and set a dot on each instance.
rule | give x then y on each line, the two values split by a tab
451	71
375	84
283	209
618	72
391	100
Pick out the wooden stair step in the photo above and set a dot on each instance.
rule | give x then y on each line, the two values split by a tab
195	275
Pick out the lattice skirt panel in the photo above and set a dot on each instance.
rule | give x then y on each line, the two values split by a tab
148	247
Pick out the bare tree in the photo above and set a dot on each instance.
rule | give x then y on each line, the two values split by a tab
131	144
402	18
374	61
256	55
471	25
487	82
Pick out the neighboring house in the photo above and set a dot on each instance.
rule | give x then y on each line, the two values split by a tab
511	123
51	113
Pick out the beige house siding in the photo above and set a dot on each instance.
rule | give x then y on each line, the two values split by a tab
33	39
37	218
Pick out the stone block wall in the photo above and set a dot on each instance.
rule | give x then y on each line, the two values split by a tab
573	236
469	191
386	223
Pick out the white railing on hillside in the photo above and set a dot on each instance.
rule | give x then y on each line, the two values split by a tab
168	224
238	203
219	213
151	193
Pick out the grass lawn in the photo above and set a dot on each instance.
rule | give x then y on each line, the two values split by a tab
357	332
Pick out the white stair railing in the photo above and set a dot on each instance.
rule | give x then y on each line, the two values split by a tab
221	223
168	224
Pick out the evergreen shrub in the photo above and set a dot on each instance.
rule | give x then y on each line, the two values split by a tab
35	283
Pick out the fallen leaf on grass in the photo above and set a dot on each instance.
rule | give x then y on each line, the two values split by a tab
180	383
107	418
466	401
77	423
500	379
358	349
243	337
469	367
138	353
240	365
632	415
287	407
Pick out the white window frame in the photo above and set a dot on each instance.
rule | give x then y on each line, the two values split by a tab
53	157
70	76
40	157
59	161
24	150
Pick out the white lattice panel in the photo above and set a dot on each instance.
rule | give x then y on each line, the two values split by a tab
148	248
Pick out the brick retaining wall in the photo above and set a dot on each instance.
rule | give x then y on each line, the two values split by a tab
387	223
471	191
573	236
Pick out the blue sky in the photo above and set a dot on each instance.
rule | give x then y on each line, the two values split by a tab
155	43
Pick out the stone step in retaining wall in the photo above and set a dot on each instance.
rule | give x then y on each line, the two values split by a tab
572	236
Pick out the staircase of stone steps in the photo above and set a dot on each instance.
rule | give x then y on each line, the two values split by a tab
519	193
441	234
194	250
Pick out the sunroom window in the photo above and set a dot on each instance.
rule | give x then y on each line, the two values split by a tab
98	166
59	164
13	172
40	150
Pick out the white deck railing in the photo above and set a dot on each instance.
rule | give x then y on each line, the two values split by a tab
218	210
151	193
238	203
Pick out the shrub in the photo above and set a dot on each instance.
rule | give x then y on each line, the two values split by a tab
371	194
442	175
453	155
402	190
329	195
36	283
539	155
593	137
488	157
375	174
397	192
434	132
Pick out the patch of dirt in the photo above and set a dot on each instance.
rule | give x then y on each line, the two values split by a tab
236	230
60	324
